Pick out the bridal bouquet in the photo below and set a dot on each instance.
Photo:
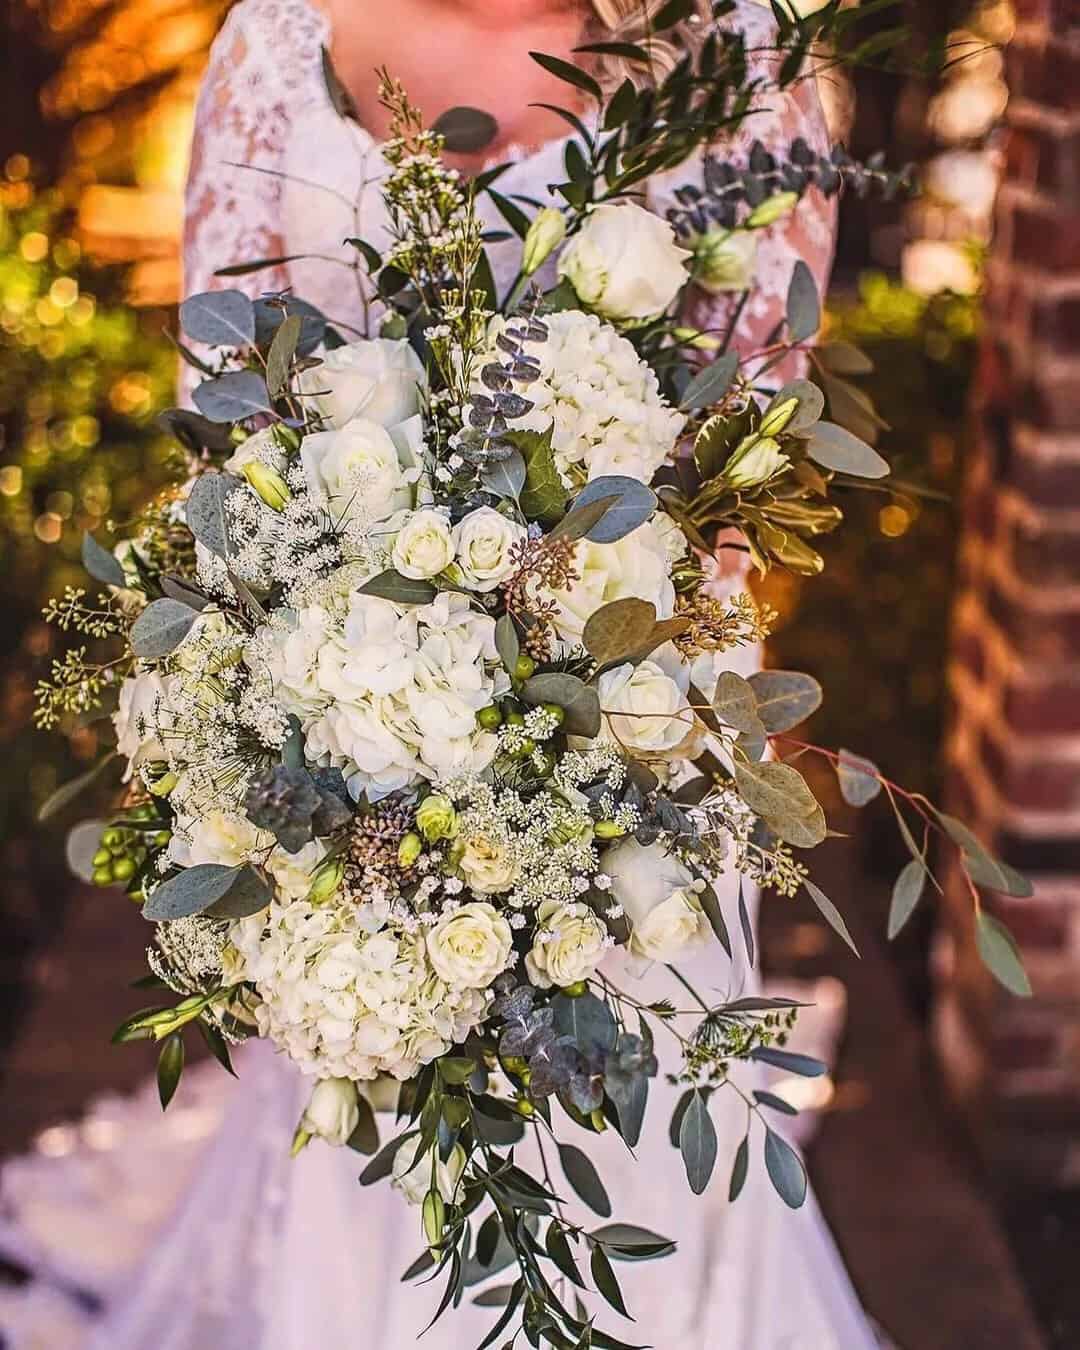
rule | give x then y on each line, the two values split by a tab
420	683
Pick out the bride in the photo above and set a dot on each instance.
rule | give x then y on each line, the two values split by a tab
198	1230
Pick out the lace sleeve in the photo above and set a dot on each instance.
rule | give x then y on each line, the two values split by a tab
258	64
808	233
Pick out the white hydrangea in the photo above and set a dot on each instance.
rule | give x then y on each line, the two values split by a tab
387	693
342	1002
604	401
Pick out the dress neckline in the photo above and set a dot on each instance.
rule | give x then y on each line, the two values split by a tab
513	153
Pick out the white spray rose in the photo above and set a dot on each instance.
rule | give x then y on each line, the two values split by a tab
224	837
332	1113
470	946
726	260
645	705
486	865
570	943
415	1182
294	873
362	469
424	546
624	263
143	704
483	541
378	379
660	897
636	565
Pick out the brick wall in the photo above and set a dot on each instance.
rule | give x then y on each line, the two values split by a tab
1014	745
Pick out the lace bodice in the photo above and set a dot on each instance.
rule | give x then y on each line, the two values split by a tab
276	174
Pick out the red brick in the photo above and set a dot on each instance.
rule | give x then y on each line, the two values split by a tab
1050	707
1046	557
1041	638
1047	236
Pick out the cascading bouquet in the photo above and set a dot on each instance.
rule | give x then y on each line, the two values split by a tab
418	680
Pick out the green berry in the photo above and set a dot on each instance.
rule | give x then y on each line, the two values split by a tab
555	711
576	989
102	858
123	869
490	717
102	876
162	838
514	717
112	837
525	749
525	667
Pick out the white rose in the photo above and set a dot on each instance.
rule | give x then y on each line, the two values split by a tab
483	543
424	546
378	379
293	872
569	944
636	565
624	263
660	897
261	448
645	706
143	703
223	837
363	470
470	946
414	1182
332	1113
486	865
726	260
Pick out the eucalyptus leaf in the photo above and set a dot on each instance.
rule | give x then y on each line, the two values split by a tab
83	841
466	130
507	643
583	1176
67	792
628	1242
586	1020
697	1143
578	700
803	304
100	563
160	628
983	868
779	794
803	1065
775	1103
632	504
219	319
739	1169
710	384
558	1248
190	891
391	585
506	477
605	1281
270	314
195	433
710	904
998	950
570	74
746	926
280	356
843	358
830	913
806	415
233	397
176	588
785	1169
734	702
839	450
581	518
784	698
906	894
860	781
205	512
630	1100
619	629
248	894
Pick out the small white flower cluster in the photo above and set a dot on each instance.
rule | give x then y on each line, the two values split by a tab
344	1002
603	400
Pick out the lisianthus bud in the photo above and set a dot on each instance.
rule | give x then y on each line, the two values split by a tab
754	460
608	829
436	818
326	881
164	785
545	234
287	437
725	260
332	1112
771	209
410	849
434	1216
776	419
268	483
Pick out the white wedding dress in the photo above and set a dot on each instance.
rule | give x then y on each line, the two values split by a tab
195	1231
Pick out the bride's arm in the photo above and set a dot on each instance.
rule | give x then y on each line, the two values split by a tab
232	214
